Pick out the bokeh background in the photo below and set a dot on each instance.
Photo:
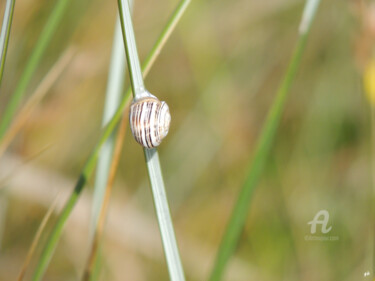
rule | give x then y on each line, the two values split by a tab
219	73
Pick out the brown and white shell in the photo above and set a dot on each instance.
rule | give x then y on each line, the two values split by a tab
149	121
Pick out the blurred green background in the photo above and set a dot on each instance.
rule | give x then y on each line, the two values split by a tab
219	73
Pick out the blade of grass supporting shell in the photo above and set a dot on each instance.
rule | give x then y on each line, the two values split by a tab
88	168
5	34
157	184
119	142
36	55
239	214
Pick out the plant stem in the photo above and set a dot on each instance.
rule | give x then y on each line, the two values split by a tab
98	234
172	22
107	131
22	116
5	34
135	73
37	237
152	159
239	214
37	53
113	96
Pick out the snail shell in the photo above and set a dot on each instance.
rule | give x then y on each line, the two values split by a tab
149	121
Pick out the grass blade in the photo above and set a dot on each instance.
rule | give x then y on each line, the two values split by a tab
239	214
152	159
37	237
37	53
107	131
135	72
114	91
25	112
176	272
105	202
120	138
113	96
5	34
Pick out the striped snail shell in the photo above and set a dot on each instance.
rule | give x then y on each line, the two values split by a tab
149	120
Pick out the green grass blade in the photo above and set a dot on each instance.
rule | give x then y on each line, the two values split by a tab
135	72
239	214
107	131
172	255
37	53
5	34
175	268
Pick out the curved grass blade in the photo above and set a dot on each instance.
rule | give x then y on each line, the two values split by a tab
36	55
108	130
152	159
239	214
5	34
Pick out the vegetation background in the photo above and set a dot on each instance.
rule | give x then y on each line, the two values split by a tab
219	73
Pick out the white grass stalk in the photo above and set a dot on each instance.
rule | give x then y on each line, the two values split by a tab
175	269
114	91
5	33
308	15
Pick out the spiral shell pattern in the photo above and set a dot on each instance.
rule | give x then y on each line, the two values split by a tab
149	121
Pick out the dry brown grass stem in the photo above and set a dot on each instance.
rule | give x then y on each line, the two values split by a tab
40	92
37	237
103	212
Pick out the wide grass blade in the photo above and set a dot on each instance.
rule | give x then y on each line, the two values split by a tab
239	214
36	55
107	131
154	170
5	34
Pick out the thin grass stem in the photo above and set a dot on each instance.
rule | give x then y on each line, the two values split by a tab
239	214
35	98
36	55
135	72
372	169
5	34
113	96
107	131
172	22
37	237
104	207
172	255
114	91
